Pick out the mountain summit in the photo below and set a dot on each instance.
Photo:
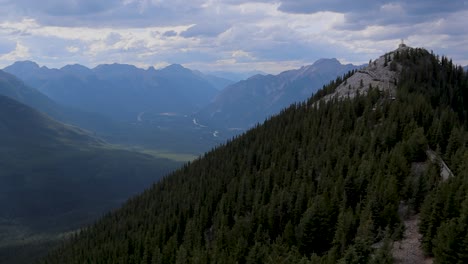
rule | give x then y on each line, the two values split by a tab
23	67
382	73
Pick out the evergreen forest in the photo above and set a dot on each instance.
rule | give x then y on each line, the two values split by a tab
321	182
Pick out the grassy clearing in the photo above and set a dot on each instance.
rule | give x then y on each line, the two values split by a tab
158	153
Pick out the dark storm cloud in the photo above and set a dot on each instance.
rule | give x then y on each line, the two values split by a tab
170	33
265	32
115	13
313	6
61	7
362	13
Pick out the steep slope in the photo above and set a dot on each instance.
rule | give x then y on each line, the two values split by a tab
248	102
21	125
56	177
14	88
322	182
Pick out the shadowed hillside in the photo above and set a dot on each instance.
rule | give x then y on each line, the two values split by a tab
56	177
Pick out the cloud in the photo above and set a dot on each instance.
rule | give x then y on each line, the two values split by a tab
230	34
170	33
362	13
113	38
314	6
206	30
72	49
61	7
20	52
114	13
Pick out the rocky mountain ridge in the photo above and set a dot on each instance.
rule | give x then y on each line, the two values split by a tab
381	73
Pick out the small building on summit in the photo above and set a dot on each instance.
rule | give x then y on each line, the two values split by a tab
402	44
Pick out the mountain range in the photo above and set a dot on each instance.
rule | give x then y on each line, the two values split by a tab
119	91
173	108
243	104
167	131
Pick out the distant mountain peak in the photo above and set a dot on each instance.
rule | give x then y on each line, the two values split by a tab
76	69
175	67
322	61
116	65
24	66
323	64
27	63
116	70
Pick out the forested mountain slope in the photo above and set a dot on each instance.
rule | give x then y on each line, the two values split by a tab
322	182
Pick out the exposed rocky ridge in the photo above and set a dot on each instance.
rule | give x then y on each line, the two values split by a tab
381	73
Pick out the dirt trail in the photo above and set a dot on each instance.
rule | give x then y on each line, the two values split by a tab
408	250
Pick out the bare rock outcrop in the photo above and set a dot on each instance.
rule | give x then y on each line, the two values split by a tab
408	250
381	73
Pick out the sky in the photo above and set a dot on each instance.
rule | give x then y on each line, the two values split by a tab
226	35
